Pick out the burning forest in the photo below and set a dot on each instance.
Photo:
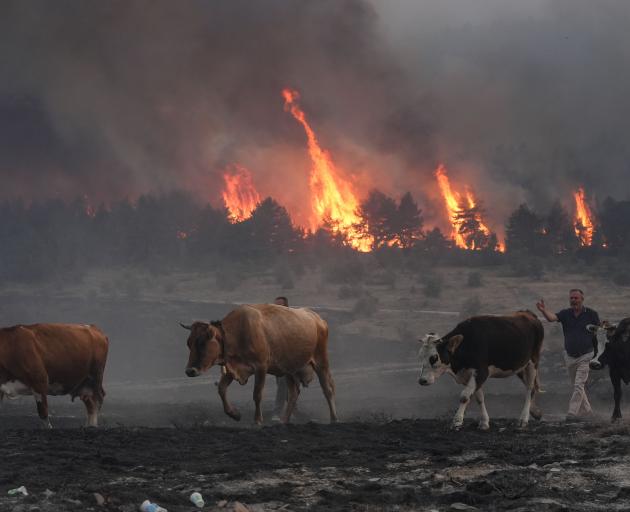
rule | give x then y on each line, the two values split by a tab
339	214
198	194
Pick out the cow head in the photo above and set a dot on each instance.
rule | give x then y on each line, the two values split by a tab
435	356
612	337
205	343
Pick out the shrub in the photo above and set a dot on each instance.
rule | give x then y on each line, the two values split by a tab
475	280
348	270
365	306
284	277
528	266
229	278
169	286
405	333
132	287
432	285
349	291
621	279
385	277
471	307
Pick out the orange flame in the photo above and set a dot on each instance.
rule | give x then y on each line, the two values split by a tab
240	195
332	197
583	222
90	211
453	203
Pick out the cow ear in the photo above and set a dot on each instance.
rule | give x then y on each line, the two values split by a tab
187	327
454	342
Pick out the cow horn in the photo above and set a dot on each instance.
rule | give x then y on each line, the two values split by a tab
592	328
187	327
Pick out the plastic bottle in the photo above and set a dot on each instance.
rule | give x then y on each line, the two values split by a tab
19	490
197	499
147	506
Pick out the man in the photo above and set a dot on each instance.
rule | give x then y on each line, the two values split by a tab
579	345
282	391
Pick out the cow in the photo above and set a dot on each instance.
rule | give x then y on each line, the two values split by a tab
263	339
54	359
482	347
613	351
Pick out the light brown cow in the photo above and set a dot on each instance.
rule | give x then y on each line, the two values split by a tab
260	339
54	359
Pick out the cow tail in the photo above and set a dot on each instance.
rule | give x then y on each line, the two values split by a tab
540	335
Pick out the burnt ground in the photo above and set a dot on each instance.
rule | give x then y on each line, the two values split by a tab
406	464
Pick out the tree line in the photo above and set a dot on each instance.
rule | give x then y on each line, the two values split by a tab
163	233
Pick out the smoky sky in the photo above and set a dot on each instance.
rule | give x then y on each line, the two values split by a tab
115	99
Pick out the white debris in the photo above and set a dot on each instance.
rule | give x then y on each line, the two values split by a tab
462	506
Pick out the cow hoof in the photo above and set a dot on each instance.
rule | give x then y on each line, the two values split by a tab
536	414
522	425
615	419
457	426
484	426
235	415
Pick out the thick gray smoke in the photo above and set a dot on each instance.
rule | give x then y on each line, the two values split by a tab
532	93
114	99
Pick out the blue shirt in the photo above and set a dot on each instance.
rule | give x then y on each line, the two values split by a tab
577	340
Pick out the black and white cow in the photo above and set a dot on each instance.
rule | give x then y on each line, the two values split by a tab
482	347
613	350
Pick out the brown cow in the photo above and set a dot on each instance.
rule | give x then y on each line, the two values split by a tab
54	359
260	339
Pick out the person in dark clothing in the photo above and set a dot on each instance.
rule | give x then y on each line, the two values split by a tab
282	391
579	345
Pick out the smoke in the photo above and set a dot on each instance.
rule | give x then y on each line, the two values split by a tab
116	99
530	97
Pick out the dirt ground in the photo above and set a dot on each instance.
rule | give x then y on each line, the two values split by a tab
364	466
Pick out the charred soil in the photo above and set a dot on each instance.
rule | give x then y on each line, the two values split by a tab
397	465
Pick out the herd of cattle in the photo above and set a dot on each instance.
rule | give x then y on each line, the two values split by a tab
69	359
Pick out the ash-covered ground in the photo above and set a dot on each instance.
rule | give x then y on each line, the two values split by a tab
368	466
388	453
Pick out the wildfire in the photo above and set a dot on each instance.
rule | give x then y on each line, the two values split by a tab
240	195
332	197
584	220
454	205
90	211
452	201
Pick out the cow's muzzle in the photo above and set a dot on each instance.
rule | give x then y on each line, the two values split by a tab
423	382
192	372
595	365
